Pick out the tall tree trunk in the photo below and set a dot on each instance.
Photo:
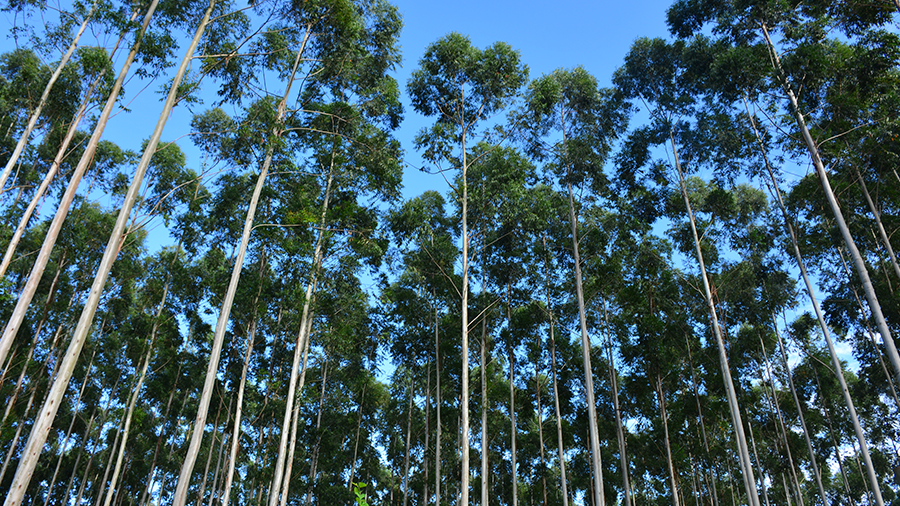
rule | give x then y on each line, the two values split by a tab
484	405
134	396
596	465
540	423
559	437
870	471
236	432
43	256
812	453
62	449
437	380
48	178
427	435
743	451
406	449
877	215
858	263
513	428
36	113
302	342
464	397
774	189
620	428
664	416
187	468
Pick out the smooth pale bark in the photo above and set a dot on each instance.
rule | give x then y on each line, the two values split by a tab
781	430
62	449
35	115
427	434
836	363
620	428
48	178
869	333
187	468
301	346
437	437
134	396
406	450
858	262
594	435
313	473
877	215
43	256
743	450
664	416
464	399
540	424
359	409
787	223
512	414
236	431
559	437
484	404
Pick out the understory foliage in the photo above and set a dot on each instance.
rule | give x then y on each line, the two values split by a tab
612	280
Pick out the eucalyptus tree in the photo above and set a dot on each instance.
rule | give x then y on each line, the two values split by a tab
587	119
462	86
41	429
655	73
27	293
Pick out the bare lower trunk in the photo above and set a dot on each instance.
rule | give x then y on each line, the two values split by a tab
484	404
737	422
594	435
663	415
406	449
225	312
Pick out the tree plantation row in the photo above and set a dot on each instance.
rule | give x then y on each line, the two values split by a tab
645	294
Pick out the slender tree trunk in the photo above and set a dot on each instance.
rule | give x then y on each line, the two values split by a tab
224	314
743	451
408	439
43	257
870	472
812	453
48	178
620	429
559	437
663	415
787	223
36	114
62	449
302	342
877	215
134	396
209	455
540	423
596	464
236	433
464	399
513	428
484	404
427	434
437	380
289	462
858	263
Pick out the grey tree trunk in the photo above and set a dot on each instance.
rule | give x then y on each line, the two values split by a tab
43	256
858	263
743	450
187	467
